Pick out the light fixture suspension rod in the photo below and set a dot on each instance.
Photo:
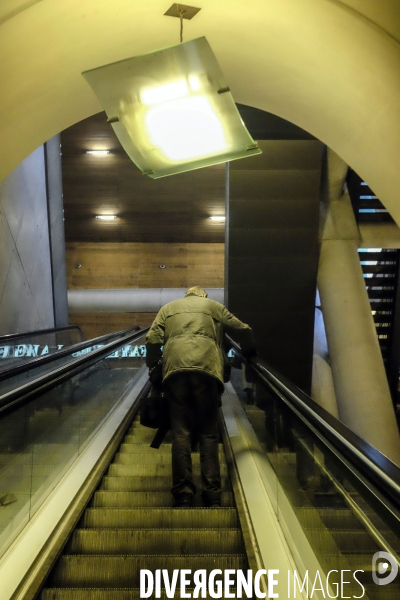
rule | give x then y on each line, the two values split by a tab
181	12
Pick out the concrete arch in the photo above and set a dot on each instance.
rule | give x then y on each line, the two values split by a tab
330	66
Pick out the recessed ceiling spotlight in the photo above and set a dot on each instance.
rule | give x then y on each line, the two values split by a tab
98	152
106	217
219	218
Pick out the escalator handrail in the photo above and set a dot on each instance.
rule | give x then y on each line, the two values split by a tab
12	336
28	365
373	465
12	400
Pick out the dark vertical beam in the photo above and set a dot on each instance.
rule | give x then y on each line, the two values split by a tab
52	155
273	251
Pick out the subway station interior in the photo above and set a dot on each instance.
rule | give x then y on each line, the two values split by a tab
300	241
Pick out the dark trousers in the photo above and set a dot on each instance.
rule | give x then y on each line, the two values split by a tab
194	399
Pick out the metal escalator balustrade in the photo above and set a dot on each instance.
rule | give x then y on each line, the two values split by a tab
47	423
343	492
23	373
20	347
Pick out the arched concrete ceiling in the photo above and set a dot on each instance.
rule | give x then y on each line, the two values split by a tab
330	66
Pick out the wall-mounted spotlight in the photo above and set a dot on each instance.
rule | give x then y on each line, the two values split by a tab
218	218
106	217
98	152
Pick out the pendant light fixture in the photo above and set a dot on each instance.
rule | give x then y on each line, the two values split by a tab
172	109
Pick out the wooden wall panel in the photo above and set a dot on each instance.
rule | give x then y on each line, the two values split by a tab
136	265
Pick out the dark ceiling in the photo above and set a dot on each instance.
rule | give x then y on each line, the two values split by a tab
171	209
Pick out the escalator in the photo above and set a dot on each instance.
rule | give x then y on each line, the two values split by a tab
335	518
301	493
130	525
342	492
128	522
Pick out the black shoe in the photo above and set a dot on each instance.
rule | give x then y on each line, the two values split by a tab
184	500
211	501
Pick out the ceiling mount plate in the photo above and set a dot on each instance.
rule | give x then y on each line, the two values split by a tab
188	12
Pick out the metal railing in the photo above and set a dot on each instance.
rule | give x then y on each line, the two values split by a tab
13	336
21	395
48	358
369	469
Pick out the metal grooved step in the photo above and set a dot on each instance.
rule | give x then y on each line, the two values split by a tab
143	541
116	594
124	571
130	525
107	499
150	483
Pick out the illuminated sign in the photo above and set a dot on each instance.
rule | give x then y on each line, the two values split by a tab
124	352
35	350
27	350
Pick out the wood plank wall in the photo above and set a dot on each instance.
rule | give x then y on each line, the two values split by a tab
137	265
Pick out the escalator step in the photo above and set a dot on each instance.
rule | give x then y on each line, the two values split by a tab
152	518
150	483
155	541
142	448
354	542
144	436
124	457
373	592
89	594
157	499
133	469
124	571
165	448
332	518
119	594
363	563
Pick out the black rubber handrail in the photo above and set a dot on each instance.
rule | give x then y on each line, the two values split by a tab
372	464
28	365
25	393
12	336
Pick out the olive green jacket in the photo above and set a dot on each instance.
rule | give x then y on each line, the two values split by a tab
192	333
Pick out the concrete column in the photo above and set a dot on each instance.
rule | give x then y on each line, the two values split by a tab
359	376
361	386
322	387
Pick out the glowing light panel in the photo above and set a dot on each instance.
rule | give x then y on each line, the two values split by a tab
172	109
